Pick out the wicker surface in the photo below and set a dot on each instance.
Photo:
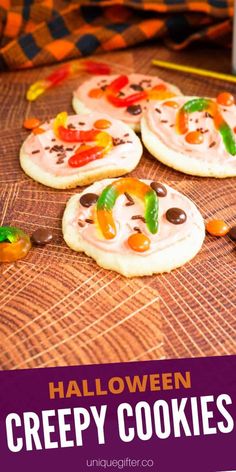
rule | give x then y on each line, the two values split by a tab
57	307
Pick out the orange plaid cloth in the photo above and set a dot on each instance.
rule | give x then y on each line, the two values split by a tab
37	32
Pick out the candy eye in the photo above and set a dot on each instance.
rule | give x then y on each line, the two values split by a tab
176	216
171	104
139	242
95	93
226	99
194	137
102	124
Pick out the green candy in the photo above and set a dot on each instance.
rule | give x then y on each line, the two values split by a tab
9	234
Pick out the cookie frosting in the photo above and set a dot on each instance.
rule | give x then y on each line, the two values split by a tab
52	155
137	82
161	120
129	219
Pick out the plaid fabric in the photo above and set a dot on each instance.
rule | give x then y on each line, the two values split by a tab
37	32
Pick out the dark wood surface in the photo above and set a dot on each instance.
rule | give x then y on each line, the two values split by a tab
58	307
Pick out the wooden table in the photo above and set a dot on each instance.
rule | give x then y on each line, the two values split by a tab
58	307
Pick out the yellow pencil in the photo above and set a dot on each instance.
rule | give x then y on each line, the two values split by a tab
194	70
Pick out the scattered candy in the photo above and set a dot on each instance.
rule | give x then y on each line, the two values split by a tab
108	198
62	73
14	244
225	99
41	237
217	228
88	199
95	93
232	233
38	131
134	109
102	124
159	189
171	104
139	242
31	123
176	216
208	105
194	137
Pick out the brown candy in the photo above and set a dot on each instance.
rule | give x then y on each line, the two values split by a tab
232	233
88	199
41	236
159	189
134	109
176	216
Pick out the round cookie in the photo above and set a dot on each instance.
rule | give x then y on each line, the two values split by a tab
52	159
193	135
91	95
137	249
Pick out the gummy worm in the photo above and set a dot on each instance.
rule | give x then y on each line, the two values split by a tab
206	104
62	73
109	196
159	92
84	154
14	244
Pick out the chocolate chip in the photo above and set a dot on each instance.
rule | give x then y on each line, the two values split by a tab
176	216
81	123
134	109
36	151
159	189
232	233
164	121
136	87
41	236
88	199
136	228
88	220
213	143
158	110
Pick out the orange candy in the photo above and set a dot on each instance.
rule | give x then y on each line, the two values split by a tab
194	137
217	228
226	99
38	131
95	93
102	124
171	104
31	123
139	242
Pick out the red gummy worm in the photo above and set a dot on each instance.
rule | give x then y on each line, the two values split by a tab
84	157
76	136
94	67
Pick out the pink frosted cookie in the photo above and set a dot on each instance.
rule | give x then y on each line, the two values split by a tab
192	134
122	97
134	227
80	149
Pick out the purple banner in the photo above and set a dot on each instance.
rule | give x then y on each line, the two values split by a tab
159	416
